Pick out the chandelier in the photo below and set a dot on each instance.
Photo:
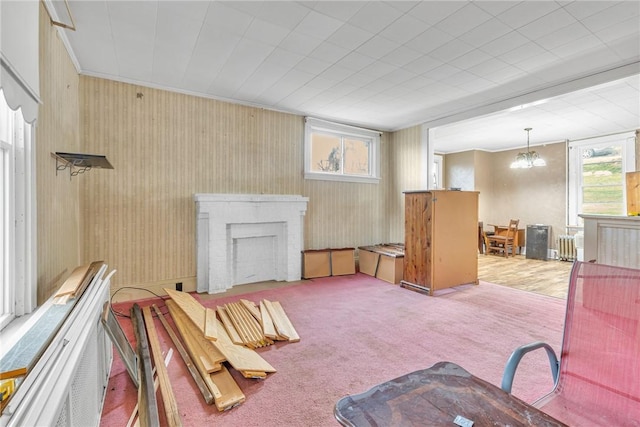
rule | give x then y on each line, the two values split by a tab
528	159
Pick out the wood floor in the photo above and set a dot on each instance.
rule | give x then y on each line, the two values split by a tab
544	277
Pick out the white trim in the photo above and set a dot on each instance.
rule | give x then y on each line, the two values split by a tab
312	125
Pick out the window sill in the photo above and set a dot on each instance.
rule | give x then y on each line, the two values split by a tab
342	178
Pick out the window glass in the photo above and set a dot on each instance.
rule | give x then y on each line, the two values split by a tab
597	171
339	152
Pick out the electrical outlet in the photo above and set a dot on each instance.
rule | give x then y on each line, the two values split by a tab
179	286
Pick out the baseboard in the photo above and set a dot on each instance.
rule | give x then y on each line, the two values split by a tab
131	292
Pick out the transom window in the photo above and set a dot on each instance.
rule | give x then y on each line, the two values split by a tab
340	152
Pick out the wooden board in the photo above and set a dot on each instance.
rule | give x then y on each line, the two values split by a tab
267	323
166	391
316	263
253	309
240	357
147	403
210	325
226	393
203	353
633	193
186	358
228	325
390	269
343	261
281	321
192	308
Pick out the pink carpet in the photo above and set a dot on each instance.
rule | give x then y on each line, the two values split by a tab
357	331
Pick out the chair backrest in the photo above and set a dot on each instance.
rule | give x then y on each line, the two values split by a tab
600	359
513	228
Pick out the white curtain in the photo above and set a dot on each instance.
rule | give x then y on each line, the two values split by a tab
19	56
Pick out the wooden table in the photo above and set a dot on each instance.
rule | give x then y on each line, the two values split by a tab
518	239
435	397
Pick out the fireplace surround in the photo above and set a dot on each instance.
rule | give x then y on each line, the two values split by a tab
248	238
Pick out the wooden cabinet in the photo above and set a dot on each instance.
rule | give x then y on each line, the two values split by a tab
441	232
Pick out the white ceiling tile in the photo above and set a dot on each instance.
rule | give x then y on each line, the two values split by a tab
283	14
433	12
451	50
374	16
356	61
562	36
266	32
404	29
401	56
429	40
224	18
377	47
318	25
230	50
504	44
485	32
463	20
527	11
619	12
547	24
300	43
349	36
342	10
329	52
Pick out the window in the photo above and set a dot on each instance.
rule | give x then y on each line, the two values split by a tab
437	171
597	169
340	152
17	215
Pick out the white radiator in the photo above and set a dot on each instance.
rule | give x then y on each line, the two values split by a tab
567	248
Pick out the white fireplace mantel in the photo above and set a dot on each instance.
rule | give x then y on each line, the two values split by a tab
612	240
245	238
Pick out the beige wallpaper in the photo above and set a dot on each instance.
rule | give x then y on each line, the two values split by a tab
405	174
164	146
57	196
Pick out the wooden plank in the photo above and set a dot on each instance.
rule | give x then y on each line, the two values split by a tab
230	393
240	357
226	392
134	413
166	391
228	326
147	404
201	349
190	306
204	390
73	281
281	321
206	377
267	323
240	326
13	373
252	308
210	326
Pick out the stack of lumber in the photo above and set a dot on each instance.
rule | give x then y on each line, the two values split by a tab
77	282
209	342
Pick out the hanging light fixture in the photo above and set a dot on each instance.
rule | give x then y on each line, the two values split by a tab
528	159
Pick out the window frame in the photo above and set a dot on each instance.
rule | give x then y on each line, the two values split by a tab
575	168
313	125
19	223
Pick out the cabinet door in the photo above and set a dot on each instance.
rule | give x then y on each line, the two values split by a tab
418	238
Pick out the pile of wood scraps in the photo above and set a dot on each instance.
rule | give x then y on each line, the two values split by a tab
207	340
77	282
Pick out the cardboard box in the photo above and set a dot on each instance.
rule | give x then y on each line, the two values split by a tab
343	262
368	261
316	263
390	268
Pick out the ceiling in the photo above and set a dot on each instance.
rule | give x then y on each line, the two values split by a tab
477	73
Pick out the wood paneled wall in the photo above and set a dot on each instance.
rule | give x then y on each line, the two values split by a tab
57	129
165	147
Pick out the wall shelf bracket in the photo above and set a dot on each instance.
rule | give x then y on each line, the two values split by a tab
79	163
